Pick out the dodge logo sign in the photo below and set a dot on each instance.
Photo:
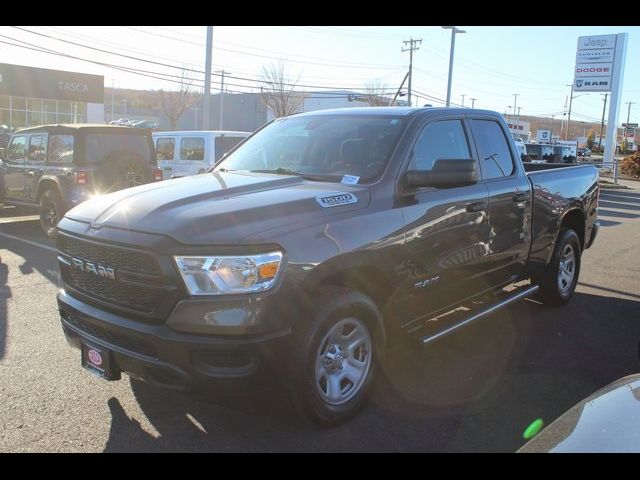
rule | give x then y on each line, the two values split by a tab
97	270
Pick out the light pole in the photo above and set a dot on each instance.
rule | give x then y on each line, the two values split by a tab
624	130
566	137
463	100
454	30
473	102
508	115
222	73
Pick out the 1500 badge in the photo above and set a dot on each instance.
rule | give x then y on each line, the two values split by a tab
336	199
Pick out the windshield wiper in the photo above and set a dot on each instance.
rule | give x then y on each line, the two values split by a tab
306	176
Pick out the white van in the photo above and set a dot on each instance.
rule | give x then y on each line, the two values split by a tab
184	153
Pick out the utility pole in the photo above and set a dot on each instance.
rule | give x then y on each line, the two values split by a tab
113	90
222	73
566	137
412	46
393	102
602	123
473	102
206	109
624	130
454	30
517	119
463	99
515	106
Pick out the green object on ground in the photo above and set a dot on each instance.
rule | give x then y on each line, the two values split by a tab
533	429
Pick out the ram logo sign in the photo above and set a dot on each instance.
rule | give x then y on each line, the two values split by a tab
93	268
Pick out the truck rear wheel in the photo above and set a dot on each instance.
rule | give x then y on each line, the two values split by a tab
561	276
335	357
51	211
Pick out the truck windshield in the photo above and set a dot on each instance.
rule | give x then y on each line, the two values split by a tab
104	146
322	147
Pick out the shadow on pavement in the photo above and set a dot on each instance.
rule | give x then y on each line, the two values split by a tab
476	390
5	295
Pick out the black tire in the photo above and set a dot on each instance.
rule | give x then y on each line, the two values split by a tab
551	292
332	306
51	211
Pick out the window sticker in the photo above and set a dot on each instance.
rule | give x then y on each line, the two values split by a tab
349	179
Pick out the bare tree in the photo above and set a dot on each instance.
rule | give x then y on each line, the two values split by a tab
375	94
175	102
278	91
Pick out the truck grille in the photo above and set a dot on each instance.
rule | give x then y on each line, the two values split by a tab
118	258
137	289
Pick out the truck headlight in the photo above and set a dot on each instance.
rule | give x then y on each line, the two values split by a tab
224	275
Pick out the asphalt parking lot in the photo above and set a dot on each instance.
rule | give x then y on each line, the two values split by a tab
476	390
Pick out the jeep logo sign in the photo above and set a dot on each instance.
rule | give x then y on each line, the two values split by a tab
599	41
94	269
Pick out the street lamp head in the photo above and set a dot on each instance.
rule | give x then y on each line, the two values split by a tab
455	29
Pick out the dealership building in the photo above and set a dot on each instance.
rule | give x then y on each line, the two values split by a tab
35	96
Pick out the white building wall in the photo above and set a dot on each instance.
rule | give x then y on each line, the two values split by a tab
95	112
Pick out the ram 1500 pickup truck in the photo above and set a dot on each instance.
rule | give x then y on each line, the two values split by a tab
321	242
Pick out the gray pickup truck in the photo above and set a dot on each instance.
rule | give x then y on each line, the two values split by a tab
321	242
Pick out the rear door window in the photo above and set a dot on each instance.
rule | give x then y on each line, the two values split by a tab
192	148
493	149
61	149
165	148
37	148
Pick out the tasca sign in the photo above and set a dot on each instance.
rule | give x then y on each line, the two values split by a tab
24	81
594	63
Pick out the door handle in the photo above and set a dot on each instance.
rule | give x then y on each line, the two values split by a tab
521	197
476	206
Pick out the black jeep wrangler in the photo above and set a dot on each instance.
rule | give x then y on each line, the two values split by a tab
55	167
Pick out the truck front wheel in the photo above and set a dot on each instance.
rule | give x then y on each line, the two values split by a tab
335	356
561	276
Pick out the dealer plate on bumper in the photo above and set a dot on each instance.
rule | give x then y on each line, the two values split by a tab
99	361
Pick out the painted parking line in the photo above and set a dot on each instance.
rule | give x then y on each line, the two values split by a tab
30	242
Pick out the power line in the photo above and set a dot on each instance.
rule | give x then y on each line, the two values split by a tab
182	68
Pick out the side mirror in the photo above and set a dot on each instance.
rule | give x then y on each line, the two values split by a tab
446	173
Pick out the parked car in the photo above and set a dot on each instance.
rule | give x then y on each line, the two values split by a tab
120	121
313	246
55	167
605	422
584	152
150	124
184	153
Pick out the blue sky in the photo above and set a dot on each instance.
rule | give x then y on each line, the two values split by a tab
491	63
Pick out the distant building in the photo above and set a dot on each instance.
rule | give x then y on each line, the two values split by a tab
34	96
519	129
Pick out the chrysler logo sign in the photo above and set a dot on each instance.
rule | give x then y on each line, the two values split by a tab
97	270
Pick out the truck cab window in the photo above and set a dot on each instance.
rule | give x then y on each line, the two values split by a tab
444	139
493	149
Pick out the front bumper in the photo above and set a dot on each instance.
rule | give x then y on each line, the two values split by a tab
179	361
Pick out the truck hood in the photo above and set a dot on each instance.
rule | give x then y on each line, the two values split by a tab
219	207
